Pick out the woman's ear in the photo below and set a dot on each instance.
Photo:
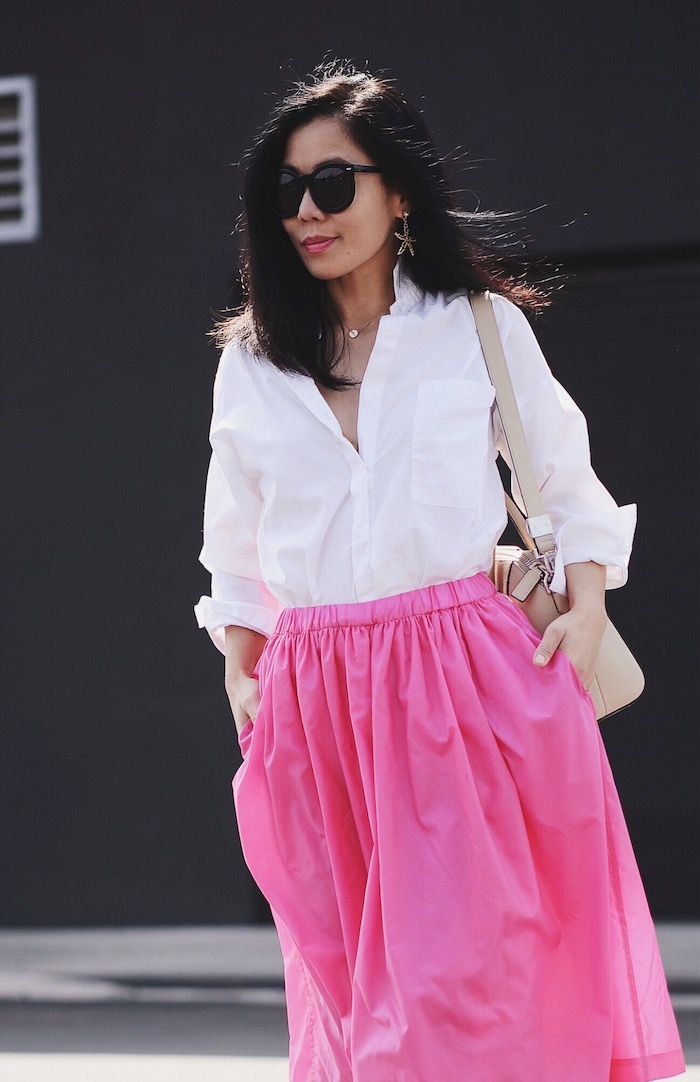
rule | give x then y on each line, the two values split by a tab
400	203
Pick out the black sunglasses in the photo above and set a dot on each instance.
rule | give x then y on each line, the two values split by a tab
332	188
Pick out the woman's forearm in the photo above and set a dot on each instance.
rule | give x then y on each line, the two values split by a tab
585	585
243	650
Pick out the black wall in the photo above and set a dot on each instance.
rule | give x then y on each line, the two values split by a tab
117	743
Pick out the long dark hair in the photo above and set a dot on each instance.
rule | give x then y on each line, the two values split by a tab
283	316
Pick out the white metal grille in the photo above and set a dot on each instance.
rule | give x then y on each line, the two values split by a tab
19	181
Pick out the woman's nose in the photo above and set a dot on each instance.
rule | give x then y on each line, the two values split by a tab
307	207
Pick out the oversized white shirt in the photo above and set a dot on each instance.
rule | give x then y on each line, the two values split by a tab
294	515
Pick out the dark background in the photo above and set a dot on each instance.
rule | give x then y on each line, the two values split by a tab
117	746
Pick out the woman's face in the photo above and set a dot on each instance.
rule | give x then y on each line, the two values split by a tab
358	239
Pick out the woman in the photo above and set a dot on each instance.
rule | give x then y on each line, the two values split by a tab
424	797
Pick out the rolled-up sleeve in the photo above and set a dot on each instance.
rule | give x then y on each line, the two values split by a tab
587	523
238	593
232	509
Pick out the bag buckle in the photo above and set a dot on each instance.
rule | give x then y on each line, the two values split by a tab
547	562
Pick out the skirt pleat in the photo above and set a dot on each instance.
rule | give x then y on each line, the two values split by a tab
434	823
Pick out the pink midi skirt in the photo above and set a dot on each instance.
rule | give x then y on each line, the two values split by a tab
435	826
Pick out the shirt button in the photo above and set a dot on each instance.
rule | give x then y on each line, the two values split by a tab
369	401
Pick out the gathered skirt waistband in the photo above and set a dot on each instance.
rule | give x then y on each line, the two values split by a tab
443	595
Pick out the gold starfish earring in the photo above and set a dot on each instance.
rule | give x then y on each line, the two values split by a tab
407	241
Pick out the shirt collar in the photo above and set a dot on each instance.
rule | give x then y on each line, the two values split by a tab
406	292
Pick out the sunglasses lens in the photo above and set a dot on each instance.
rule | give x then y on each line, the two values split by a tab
286	194
333	188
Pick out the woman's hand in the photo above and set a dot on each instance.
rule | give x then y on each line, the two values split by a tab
579	632
578	635
243	650
244	696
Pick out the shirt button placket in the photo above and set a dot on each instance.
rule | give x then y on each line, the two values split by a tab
361	487
361	547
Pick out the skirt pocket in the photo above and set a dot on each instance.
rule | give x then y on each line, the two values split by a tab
245	736
566	663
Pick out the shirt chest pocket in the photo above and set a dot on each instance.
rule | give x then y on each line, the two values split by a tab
451	445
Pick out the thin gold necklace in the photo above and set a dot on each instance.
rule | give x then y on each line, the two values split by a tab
355	332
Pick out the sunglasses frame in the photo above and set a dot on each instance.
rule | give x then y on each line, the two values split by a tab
308	180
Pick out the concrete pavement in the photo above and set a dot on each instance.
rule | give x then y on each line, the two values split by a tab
188	1004
58	1068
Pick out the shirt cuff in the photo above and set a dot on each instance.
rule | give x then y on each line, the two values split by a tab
217	615
604	537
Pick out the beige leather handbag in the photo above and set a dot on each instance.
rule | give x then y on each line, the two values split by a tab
525	574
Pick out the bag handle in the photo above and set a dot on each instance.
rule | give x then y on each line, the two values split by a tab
538	525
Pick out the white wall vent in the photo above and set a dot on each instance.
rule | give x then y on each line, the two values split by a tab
19	179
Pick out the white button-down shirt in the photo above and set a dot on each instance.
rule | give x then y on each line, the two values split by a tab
294	515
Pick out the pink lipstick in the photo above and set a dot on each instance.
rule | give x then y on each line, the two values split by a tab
317	245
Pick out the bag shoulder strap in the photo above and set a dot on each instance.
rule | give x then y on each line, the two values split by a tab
538	523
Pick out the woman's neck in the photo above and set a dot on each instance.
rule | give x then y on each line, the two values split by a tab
359	297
